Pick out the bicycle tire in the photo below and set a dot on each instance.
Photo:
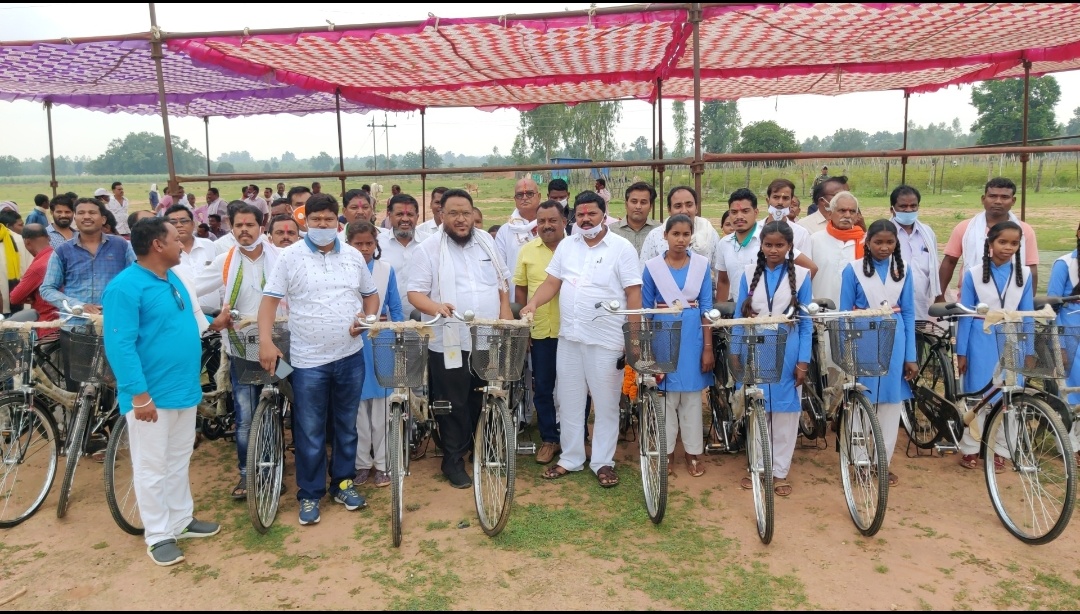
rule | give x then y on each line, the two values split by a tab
934	383
75	443
23	495
1041	449
759	462
265	465
494	465
652	455
396	445
864	467
120	481
812	424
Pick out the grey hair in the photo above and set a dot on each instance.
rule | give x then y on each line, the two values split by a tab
843	194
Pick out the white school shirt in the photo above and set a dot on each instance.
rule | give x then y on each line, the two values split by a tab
590	275
399	256
733	258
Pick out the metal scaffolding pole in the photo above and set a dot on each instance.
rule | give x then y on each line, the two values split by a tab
660	145
206	124
156	53
1024	141
903	160
698	167
653	212
423	165
340	145
52	158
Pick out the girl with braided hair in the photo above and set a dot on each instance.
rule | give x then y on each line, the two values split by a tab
882	277
770	288
1065	281
1004	283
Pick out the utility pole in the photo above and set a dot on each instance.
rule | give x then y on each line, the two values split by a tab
374	152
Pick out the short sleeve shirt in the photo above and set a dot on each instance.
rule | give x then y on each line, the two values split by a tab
955	246
532	262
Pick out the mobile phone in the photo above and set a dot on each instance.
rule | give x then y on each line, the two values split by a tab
283	369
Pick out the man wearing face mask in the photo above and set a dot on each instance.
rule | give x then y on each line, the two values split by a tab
780	194
431	226
521	228
918	247
559	191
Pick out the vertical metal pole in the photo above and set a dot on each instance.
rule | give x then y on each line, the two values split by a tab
660	144
52	158
1024	141
206	124
903	159
654	141
386	127
374	150
698	167
340	145
423	165
156	53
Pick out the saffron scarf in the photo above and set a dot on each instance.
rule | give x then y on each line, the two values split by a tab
856	234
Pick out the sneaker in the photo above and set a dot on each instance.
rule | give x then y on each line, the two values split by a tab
349	497
165	553
199	528
362	476
309	511
382	479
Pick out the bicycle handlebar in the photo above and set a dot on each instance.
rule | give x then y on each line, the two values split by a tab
615	308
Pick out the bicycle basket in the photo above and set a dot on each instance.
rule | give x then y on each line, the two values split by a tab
652	346
14	352
84	355
244	353
1037	349
756	353
863	346
498	351
400	357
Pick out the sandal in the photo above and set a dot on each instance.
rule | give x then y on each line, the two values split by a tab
999	464
240	492
969	461
746	483
555	472
893	479
606	476
694	466
781	487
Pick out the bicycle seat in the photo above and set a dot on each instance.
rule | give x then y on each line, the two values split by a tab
515	308
26	315
726	309
416	315
825	303
939	310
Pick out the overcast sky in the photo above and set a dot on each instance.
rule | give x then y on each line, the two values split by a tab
80	132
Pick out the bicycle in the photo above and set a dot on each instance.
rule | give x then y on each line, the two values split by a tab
726	433
818	406
755	355
1032	479
652	349
861	345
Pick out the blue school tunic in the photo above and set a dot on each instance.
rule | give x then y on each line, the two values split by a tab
891	387
981	348
688	376
774	287
1063	278
392	309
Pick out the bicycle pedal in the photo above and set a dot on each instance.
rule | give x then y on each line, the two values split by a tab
440	408
944	449
526	449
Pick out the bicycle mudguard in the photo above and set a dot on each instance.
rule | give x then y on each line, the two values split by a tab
1060	406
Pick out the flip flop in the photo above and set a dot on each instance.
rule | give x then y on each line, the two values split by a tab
555	472
694	467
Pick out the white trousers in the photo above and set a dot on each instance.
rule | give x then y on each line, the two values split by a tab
970	445
888	415
584	369
371	426
683	411
160	457
784	431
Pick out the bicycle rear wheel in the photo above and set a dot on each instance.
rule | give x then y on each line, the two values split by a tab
74	445
759	465
494	465
652	450
812	423
1035	493
29	450
932	386
864	468
120	481
265	465
395	443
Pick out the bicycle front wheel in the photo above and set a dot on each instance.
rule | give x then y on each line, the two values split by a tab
864	465
494	458
395	443
759	464
74	446
29	448
653	455
265	465
1035	491
120	481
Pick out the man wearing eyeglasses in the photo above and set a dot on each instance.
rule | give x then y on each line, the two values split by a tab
521	228
196	253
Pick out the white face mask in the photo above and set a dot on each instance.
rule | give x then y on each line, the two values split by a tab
250	248
778	214
564	201
322	236
590	233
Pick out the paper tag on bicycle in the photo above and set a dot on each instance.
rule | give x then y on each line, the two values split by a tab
452	357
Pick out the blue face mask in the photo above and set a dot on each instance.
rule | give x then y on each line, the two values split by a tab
322	236
906	218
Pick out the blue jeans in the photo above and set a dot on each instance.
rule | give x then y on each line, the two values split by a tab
245	399
326	396
543	364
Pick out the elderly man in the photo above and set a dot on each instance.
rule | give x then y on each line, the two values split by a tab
399	246
431	226
591	266
636	225
521	227
968	236
683	199
458	269
918	248
840	243
822	195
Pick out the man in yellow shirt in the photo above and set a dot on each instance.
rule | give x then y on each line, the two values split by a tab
531	271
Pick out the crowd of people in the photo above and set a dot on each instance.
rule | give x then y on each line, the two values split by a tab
300	252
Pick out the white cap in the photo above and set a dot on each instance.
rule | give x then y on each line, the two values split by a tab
101	192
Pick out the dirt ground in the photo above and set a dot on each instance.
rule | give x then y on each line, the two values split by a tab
568	545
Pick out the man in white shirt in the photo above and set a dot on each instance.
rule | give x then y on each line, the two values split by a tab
780	194
399	246
216	205
821	195
118	205
458	270
240	273
591	266
251	197
326	284
918	248
839	244
521	227
358	206
280	192
683	199
431	226
196	253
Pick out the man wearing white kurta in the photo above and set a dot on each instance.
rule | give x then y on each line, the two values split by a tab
588	267
431	226
399	246
822	195
682	199
521	228
836	246
918	247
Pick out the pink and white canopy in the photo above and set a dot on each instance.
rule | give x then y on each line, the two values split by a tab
521	62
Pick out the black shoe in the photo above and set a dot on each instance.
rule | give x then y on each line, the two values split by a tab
459	479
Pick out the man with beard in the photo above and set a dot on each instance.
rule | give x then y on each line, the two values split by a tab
458	269
521	228
592	265
62	209
399	246
431	226
636	226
